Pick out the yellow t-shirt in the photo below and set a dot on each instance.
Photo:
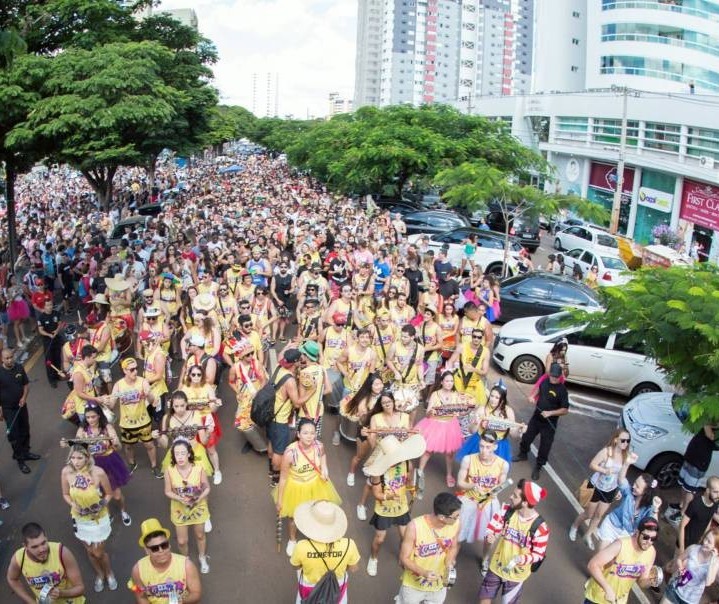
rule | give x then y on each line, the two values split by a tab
405	358
52	571
484	476
86	495
133	403
158	585
430	553
313	567
309	375
621	573
335	345
283	404
395	479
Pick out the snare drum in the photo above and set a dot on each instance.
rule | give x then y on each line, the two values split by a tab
349	424
406	398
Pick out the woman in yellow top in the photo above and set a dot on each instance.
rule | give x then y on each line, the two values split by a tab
45	564
264	312
357	361
202	397
449	325
245	289
405	362
85	488
155	361
187	488
431	297
168	295
440	427
181	422
246	377
472	362
303	477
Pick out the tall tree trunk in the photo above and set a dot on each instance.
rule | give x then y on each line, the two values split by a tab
11	224
150	168
100	180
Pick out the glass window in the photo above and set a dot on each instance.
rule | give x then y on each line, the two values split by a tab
574	253
550	324
607	241
534	288
456	236
566	294
588	257
582	338
623	342
490	242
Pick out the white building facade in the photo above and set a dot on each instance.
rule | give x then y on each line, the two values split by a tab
671	155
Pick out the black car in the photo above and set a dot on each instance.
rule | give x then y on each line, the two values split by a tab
401	207
541	293
433	221
523	228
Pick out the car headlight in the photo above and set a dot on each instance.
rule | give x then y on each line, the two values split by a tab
649	432
509	341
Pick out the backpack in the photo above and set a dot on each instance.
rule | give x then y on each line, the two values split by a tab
327	589
263	404
532	530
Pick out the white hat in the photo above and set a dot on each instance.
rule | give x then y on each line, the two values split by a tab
99	299
197	339
117	283
204	302
321	521
390	451
152	311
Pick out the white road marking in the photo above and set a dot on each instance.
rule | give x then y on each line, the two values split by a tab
273	359
597	400
590	408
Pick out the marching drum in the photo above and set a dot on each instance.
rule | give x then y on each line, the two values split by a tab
335	396
349	425
406	397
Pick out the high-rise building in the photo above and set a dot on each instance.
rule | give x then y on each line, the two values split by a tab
652	45
447	51
186	16
338	105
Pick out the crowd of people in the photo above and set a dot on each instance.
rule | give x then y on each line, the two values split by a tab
377	341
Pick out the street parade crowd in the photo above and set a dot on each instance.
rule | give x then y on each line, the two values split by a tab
377	341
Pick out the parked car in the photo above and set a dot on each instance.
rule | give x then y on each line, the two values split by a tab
433	221
612	270
542	293
490	248
561	223
134	223
587	237
658	436
525	229
608	362
401	207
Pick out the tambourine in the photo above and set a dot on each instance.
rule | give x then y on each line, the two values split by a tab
656	576
451	577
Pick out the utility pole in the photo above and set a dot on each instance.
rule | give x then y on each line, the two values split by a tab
617	203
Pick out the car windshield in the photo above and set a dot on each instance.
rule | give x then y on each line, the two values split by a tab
614	263
607	241
551	324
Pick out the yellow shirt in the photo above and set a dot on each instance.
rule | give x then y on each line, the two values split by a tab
621	573
358	363
86	495
484	476
89	389
133	403
515	541
313	567
283	405
198	398
181	514
468	326
309	375
104	352
304	464
405	358
395	479
335	345
52	571
158	585
466	358
430	334
387	337
169	297
430	553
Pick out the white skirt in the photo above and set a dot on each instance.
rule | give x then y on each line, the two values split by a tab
473	519
608	532
91	531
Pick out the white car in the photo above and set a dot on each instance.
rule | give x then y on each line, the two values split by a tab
490	248
611	268
587	237
658	436
606	362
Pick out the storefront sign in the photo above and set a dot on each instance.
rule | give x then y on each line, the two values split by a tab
604	176
655	199
700	204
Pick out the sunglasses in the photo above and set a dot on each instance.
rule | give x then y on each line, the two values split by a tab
152	319
159	547
650	538
195	375
625	440
131	369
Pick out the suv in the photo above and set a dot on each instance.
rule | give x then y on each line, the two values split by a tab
523	228
134	223
587	237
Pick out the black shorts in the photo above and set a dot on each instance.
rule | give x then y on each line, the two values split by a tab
382	523
279	437
603	496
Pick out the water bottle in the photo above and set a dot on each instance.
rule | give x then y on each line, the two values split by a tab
44	596
173	597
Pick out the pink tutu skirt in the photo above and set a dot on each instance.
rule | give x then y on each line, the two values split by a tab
442	436
18	310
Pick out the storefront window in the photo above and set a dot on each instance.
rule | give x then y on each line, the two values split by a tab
654	206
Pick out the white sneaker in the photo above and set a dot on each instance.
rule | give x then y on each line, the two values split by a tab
208	525
361	513
336	439
372	567
290	547
350	480
572	533
589	541
204	566
126	520
217	477
485	565
111	582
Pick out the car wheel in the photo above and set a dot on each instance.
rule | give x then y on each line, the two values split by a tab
557	244
496	269
643	388
665	468
527	369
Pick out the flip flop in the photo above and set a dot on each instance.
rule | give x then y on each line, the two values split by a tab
451	482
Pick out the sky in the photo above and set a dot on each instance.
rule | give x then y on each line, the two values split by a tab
307	46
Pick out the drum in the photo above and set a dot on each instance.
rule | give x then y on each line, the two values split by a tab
349	428
332	399
406	398
256	439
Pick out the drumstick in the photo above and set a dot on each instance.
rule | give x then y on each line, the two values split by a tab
278	532
51	366
392	431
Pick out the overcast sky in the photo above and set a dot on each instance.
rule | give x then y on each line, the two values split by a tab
310	44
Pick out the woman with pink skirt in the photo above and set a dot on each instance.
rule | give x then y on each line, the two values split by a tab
440	427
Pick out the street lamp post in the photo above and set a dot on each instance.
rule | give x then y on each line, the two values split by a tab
617	202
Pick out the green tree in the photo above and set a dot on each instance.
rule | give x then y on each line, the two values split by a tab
97	108
674	314
228	123
477	185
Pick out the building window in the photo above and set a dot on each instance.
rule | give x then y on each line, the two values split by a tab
575	14
575	41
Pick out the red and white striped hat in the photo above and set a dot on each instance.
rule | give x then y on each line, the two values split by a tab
533	493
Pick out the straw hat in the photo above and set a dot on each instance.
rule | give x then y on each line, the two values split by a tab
152	311
117	284
99	299
149	526
204	302
390	451
321	521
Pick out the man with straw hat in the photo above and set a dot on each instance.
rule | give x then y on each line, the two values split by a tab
389	474
325	548
161	576
428	552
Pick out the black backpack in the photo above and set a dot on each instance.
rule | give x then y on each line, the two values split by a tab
532	530
263	404
327	589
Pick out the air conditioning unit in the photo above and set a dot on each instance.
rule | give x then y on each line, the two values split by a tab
706	161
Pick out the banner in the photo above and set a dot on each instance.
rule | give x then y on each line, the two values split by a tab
604	176
655	199
700	204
